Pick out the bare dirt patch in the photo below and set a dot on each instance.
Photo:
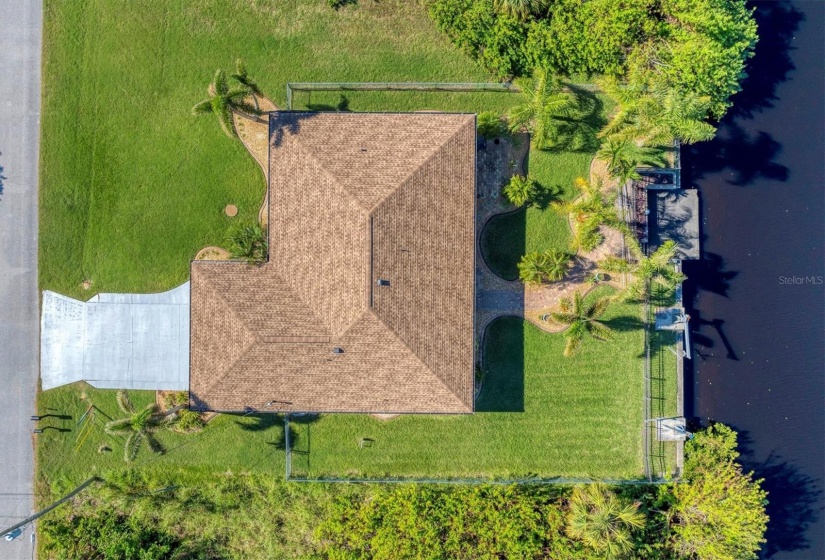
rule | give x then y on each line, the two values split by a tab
212	253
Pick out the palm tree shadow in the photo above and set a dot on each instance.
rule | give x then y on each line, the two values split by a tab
624	323
578	132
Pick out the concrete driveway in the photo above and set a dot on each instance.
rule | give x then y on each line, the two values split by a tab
116	341
20	39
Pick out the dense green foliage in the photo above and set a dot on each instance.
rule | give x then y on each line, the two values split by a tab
602	520
720	513
135	514
477	522
490	125
647	270
593	208
696	47
248	242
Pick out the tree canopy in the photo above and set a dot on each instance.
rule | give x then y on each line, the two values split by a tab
719	513
693	50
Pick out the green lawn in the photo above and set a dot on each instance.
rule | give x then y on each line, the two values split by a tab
68	453
538	414
132	185
507	237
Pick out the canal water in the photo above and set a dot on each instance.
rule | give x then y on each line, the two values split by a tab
757	299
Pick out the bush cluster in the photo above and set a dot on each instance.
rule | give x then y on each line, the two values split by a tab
691	46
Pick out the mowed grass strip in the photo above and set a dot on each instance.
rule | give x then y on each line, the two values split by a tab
132	185
538	414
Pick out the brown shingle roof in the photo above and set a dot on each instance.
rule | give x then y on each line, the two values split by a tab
353	198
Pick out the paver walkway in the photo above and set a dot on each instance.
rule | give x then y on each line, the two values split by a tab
496	297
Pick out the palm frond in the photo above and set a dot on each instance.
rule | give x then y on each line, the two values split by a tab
132	446
124	403
225	120
574	336
612	263
597	308
219	82
202	107
599	331
564	318
118	427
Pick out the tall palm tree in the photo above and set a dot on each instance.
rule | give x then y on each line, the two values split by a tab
139	426
223	100
623	155
519	9
590	210
656	114
542	111
582	318
243	78
602	521
657	268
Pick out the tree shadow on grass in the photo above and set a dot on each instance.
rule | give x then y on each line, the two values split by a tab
624	323
341	106
502	386
579	131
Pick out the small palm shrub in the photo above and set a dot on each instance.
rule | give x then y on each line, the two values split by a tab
520	190
490	125
189	421
249	243
545	266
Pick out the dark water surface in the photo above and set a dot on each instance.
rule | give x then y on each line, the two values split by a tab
758	296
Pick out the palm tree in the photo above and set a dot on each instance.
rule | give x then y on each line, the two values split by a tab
590	210
222	101
531	268
556	265
242	77
657	268
656	114
139	426
519	9
623	156
542	111
582	318
536	267
520	190
601	520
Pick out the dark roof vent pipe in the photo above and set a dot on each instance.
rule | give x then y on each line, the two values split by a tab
382	282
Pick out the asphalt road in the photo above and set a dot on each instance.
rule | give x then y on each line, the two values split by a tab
20	42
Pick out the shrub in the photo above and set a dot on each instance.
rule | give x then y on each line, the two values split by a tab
248	242
189	421
520	190
490	125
